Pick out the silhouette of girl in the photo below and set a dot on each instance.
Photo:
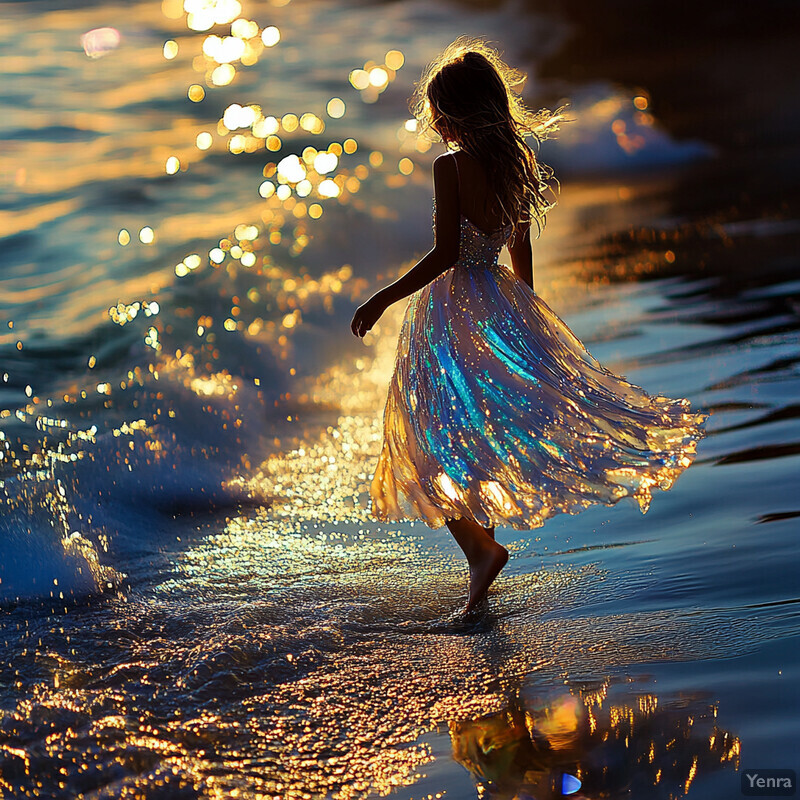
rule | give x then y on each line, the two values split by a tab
496	413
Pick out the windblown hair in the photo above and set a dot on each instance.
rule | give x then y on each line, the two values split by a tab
470	97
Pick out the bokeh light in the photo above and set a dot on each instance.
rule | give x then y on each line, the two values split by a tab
270	36
335	108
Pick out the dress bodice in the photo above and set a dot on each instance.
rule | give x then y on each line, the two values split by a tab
476	247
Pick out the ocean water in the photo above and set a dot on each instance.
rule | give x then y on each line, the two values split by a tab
194	600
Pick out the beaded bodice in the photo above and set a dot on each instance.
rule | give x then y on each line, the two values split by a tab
476	247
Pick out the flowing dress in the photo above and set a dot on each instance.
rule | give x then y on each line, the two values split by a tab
497	412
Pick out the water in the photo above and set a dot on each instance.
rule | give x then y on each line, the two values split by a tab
195	602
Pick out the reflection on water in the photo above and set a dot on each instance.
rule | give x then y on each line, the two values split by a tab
195	601
287	663
617	740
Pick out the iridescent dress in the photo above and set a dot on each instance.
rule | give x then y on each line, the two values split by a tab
497	412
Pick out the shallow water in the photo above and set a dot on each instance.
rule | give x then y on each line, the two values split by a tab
195	602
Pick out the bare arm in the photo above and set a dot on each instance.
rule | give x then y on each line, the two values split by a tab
443	255
521	252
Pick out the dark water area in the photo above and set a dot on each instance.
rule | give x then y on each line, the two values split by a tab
194	601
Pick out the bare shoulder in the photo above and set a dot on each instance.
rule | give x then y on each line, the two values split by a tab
445	158
444	165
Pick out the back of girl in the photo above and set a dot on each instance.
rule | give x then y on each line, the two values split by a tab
496	413
466	96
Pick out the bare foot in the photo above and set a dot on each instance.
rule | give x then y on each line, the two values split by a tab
483	572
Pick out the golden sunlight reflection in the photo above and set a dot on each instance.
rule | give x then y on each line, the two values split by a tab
196	93
204	14
335	108
223	75
600	741
270	36
147	235
372	79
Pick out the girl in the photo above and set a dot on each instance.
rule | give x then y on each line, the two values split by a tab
496	413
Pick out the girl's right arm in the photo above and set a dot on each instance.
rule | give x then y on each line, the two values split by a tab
521	252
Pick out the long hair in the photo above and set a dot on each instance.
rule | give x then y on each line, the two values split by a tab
468	96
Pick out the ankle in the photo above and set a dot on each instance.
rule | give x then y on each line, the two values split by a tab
483	548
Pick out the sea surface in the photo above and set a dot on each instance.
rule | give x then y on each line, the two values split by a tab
194	601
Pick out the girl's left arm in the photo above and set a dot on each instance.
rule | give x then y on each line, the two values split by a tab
443	255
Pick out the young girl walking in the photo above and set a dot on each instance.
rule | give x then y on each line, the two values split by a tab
496	413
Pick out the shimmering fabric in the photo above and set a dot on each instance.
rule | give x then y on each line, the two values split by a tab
497	412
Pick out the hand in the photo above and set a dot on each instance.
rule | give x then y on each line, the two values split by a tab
366	316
